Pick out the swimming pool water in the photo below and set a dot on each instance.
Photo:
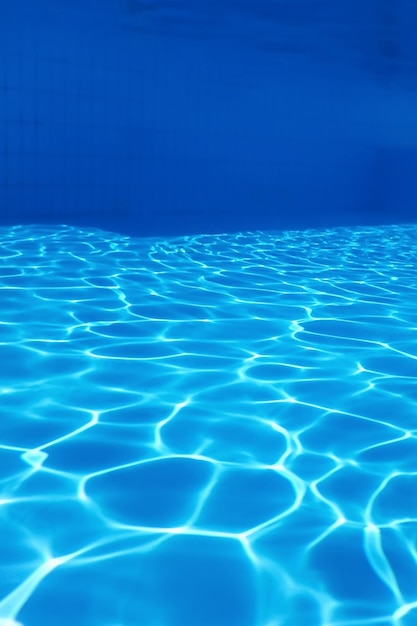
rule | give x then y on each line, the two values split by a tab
208	430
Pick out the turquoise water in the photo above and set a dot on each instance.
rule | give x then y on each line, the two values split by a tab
208	430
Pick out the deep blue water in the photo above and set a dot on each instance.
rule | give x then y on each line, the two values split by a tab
179	117
208	430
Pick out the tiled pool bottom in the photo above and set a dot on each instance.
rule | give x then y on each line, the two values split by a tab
208	431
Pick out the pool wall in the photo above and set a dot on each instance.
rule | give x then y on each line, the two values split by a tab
155	118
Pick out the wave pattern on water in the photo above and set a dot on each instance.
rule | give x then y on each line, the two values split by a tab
210	430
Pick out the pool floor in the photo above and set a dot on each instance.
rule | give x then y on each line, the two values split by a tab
208	430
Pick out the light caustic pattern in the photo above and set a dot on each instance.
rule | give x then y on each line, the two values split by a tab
208	431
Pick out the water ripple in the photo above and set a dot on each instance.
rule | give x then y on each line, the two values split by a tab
209	430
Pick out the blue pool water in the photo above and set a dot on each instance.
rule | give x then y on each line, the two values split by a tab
208	430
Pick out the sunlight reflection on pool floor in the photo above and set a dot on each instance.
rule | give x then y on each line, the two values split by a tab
208	430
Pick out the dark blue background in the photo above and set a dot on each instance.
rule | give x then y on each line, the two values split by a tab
187	116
